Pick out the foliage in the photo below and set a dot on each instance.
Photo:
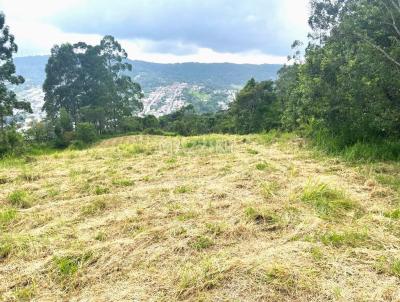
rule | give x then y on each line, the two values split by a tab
11	142
86	133
89	84
8	99
255	108
345	93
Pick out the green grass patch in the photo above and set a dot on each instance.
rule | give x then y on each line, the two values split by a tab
395	268
26	293
262	166
329	203
123	182
269	189
274	136
7	216
214	229
252	151
17	245
20	199
392	181
201	243
5	249
201	142
96	206
101	190
346	148
135	149
207	142
262	216
316	253
187	216
67	266
29	176
205	274
395	215
183	190
385	265
350	239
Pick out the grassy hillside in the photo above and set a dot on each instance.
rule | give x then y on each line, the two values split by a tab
213	218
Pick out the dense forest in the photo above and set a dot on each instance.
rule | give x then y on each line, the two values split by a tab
341	90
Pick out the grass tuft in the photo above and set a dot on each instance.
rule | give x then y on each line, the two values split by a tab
329	203
395	215
5	249
350	239
20	199
201	242
205	274
183	190
135	149
101	190
262	216
262	166
96	206
29	176
67	266
7	216
395	268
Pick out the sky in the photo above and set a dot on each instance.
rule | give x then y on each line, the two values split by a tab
164	31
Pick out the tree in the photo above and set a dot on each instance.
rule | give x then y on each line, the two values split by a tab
90	82
8	99
347	87
255	108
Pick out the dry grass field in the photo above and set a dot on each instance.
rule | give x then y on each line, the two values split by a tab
211	218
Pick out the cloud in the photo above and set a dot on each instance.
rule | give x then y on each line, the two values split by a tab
230	26
165	31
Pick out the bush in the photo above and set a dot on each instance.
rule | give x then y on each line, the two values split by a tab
40	132
131	124
11	142
153	131
86	133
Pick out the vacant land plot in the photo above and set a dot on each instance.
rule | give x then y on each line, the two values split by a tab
212	218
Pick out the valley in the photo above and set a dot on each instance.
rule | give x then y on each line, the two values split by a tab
167	87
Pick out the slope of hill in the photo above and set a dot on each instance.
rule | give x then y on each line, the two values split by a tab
167	87
213	218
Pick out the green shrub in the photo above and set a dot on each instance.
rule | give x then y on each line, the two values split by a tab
11	142
86	132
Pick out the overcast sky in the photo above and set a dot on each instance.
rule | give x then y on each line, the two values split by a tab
166	31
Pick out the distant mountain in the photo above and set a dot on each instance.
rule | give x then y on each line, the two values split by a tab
167	87
216	75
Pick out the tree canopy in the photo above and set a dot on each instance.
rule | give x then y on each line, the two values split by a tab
8	77
91	85
348	84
